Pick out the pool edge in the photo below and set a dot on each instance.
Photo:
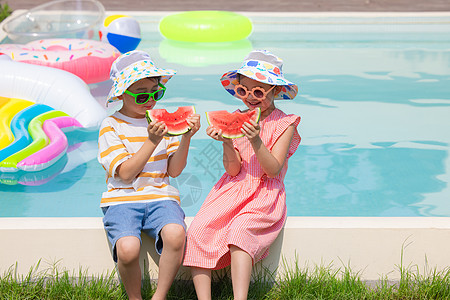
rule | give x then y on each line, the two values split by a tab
371	246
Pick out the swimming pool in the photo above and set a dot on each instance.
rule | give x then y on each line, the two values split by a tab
374	100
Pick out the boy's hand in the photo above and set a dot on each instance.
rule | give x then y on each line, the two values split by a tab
193	122
156	131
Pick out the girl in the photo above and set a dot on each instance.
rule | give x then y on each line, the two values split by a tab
246	209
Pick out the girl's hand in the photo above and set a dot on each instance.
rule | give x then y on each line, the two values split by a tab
216	134
156	131
193	122
251	130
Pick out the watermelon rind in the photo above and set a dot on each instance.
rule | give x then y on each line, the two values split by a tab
149	114
229	135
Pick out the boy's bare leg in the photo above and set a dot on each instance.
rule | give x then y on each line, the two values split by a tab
202	282
128	249
241	271
174	237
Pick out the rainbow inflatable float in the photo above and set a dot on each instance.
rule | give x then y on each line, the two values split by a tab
34	139
37	106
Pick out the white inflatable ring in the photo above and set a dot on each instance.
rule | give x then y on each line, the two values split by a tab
56	88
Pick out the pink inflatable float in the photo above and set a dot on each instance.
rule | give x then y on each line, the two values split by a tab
88	59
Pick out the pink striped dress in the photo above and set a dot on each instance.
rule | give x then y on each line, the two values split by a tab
247	210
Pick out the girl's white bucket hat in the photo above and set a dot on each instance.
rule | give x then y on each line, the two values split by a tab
263	66
131	67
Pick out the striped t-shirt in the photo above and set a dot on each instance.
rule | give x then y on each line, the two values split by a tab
119	139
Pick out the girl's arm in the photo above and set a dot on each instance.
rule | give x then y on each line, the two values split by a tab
231	158
130	169
271	161
177	162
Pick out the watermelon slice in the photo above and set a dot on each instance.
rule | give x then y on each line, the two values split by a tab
175	122
231	123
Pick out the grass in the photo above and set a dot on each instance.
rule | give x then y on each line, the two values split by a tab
319	282
54	284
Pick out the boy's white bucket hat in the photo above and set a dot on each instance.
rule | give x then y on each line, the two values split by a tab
262	66
131	67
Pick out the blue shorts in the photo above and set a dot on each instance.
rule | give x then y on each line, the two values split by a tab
131	219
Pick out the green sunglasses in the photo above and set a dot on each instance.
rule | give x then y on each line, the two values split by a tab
143	98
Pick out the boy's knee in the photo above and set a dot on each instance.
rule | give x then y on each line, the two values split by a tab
128	249
173	236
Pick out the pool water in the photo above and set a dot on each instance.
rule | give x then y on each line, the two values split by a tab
374	100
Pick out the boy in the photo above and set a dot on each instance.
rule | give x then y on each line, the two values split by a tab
138	159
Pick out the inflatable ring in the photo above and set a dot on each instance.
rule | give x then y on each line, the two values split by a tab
88	59
205	26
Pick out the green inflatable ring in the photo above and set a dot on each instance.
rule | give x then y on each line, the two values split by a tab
205	26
